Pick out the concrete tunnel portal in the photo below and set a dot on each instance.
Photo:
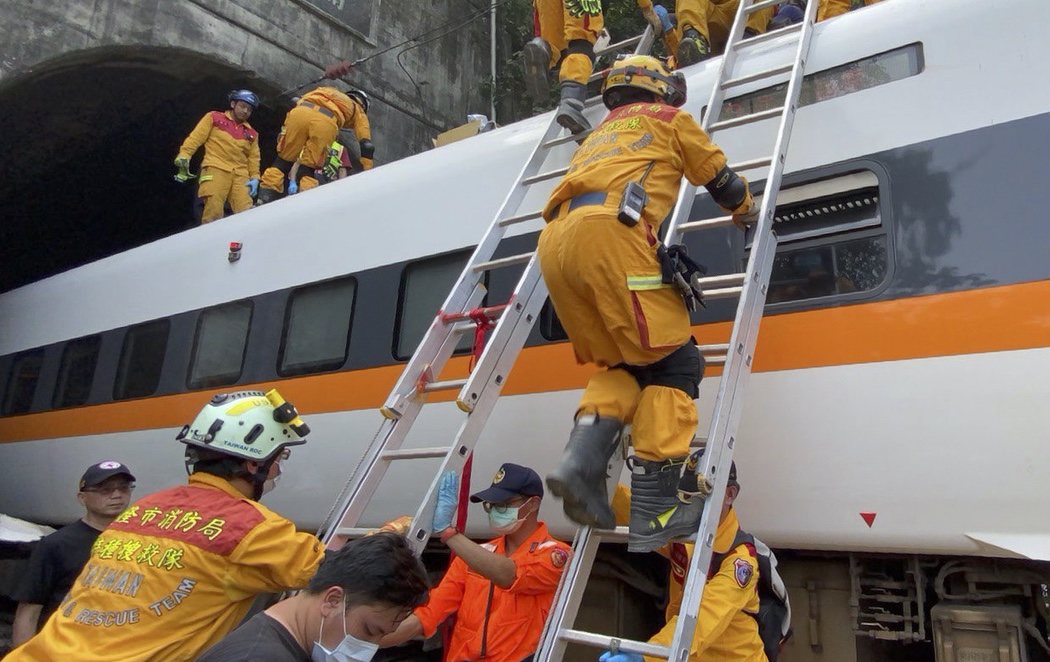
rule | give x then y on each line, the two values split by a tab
88	144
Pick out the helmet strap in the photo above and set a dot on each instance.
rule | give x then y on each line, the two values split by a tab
258	479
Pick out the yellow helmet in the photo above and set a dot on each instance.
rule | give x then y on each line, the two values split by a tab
647	73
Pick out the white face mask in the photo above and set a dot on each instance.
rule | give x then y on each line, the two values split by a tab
269	484
350	649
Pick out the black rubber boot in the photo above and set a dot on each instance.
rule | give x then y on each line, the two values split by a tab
570	109
266	195
693	48
581	478
537	56
659	511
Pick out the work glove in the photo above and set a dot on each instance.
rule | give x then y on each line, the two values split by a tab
447	500
253	186
183	174
293	187
338	69
609	656
666	20
652	17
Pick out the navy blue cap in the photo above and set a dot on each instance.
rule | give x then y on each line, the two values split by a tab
100	472
510	481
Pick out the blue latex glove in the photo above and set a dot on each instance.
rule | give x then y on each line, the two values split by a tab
665	18
293	187
253	187
447	500
608	656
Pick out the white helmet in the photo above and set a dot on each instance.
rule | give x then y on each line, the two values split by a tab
250	425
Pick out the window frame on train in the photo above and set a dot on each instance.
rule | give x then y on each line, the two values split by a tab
11	389
138	359
290	337
398	344
218	379
76	371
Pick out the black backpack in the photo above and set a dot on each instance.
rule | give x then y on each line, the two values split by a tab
774	608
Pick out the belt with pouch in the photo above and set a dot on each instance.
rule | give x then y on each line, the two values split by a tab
320	109
592	198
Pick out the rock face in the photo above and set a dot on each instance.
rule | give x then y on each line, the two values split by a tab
97	95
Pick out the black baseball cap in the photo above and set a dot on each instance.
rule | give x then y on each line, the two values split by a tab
510	481
98	473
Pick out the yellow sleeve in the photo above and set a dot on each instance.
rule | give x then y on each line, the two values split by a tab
725	595
196	138
701	158
253	159
274	557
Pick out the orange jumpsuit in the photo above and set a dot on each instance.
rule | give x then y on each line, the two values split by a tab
172	575
310	128
714	18
499	625
832	8
726	630
231	158
605	279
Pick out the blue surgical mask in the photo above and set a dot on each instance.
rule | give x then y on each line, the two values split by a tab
350	649
506	520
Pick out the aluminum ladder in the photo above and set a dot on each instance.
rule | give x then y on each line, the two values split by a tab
751	287
479	391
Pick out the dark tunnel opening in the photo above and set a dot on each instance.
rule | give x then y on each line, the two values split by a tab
88	147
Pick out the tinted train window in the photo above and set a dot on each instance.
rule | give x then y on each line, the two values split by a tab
831	83
77	371
21	385
218	348
141	360
832	240
317	327
424	286
550	326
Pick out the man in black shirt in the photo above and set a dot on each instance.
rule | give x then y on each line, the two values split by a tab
360	594
105	491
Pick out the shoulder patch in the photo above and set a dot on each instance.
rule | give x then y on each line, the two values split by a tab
743	572
559	557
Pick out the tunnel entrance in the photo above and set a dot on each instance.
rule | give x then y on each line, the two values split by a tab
88	145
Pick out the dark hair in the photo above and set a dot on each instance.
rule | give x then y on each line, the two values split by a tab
621	96
380	568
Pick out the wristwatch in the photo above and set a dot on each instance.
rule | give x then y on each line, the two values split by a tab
447	533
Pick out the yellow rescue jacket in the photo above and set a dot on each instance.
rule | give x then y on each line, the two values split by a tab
228	146
173	574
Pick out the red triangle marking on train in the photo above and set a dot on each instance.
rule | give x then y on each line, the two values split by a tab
869	518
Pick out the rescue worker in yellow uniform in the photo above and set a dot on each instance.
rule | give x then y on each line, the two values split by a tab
499	592
703	27
565	34
832	8
727	627
179	569
600	257
230	169
308	130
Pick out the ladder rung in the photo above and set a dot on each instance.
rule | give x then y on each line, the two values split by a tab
491	312
606	642
567	138
447	385
612	48
353	532
772	34
758	6
723	292
763	162
619	534
416	453
591	102
723	280
502	262
521	218
544	176
716	359
747	119
706	224
750	78
720	348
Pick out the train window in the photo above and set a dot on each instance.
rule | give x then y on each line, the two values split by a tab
831	83
424	286
831	239
76	371
141	360
21	385
550	326
317	327
219	345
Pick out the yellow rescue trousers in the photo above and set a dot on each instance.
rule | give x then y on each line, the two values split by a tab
714	19
604	282
305	137
558	26
217	187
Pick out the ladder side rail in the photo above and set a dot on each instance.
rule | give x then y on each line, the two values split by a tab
370	470
569	595
737	372
470	430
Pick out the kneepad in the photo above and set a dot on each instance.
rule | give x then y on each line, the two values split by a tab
368	150
681	369
581	47
282	165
